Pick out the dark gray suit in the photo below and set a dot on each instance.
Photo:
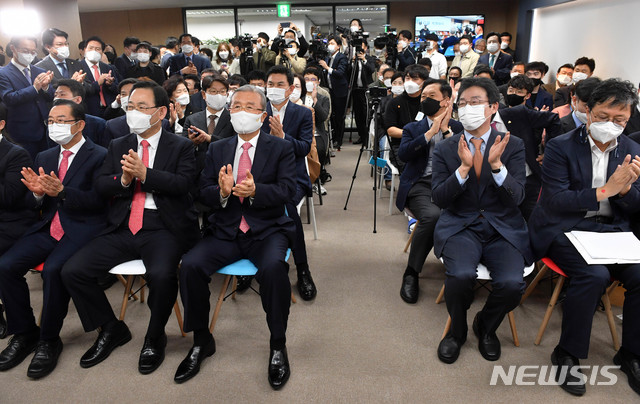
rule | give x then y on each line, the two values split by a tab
49	63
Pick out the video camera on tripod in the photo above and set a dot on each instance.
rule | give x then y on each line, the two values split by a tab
388	41
246	43
354	38
318	50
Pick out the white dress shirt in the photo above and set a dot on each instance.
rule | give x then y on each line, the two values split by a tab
236	162
217	116
149	203
280	112
74	150
438	64
599	163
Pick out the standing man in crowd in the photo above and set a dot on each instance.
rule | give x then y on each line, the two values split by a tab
499	62
263	57
54	42
438	60
128	58
468	59
406	56
101	80
364	67
336	66
187	62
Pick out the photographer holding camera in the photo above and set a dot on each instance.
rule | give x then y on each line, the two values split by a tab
406	56
290	58
263	57
291	33
336	65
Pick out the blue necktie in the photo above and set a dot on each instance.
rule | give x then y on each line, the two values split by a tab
27	74
63	70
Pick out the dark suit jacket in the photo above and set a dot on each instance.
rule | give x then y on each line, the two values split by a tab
339	80
118	127
462	204
634	123
567	191
527	124
49	63
543	98
502	66
15	216
173	172
82	212
223	130
197	101
368	68
94	128
298	129
414	151
152	71
92	96
177	62
568	123
123	64
406	58
27	109
273	174
562	96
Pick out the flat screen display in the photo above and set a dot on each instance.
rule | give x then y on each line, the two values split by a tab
448	28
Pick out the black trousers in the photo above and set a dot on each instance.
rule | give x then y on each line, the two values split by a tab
159	249
587	284
481	243
359	105
427	213
338	105
212	254
299	248
27	253
531	193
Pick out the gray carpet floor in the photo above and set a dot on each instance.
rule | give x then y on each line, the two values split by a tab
356	342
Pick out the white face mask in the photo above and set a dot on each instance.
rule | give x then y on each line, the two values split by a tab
579	76
295	95
124	101
504	45
229	94
411	87
217	101
276	95
92	56
563	79
582	116
143	57
292	51
187	48
25	58
138	122
493	47
464	48
380	79
223	55
183	99
244	122
133	56
355	28
472	116
310	86
259	45
387	82
61	133
63	52
260	88
378	52
114	104
429	45
514	74
332	48
478	51
604	132
397	90
403	44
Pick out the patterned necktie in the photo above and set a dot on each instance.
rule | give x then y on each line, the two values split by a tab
63	70
477	155
137	204
96	76
244	165
56	230
212	125
27	73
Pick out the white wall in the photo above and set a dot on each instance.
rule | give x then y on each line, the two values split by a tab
605	30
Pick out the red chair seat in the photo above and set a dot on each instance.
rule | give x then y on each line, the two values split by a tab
548	262
39	267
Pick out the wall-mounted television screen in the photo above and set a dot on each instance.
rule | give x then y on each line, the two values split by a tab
448	28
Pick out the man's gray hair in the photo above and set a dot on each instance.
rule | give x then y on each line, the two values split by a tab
248	88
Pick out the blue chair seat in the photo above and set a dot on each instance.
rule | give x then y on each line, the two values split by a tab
244	267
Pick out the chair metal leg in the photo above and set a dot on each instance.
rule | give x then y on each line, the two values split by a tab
514	331
125	297
406	247
176	308
440	295
610	319
534	283
552	304
311	211
447	327
225	285
393	184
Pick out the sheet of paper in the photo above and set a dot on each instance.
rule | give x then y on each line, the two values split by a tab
606	248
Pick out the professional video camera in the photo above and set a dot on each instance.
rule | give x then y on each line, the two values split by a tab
354	39
318	50
246	44
388	41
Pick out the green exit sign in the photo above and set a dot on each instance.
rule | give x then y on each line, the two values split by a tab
284	10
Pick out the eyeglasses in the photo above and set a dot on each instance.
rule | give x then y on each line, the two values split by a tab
604	118
473	101
214	92
48	122
139	108
252	110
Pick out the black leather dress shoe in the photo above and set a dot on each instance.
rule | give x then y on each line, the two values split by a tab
568	381
3	324
279	370
20	346
630	365
449	348
244	282
306	287
45	359
409	290
190	366
107	341
488	343
152	354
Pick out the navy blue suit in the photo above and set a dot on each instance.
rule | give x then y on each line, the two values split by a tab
123	63
82	215
94	128
92	96
567	195
502	66
484	221
543	98
27	109
265	244
179	61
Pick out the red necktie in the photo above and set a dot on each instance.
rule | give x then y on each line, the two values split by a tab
477	156
56	230
243	165
137	204
494	126
96	76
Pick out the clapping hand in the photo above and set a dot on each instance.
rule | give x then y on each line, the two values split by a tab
225	180
497	148
246	188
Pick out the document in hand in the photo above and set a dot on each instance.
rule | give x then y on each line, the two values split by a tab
606	248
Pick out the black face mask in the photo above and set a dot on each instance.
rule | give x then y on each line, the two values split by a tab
536	82
430	106
514	99
455	79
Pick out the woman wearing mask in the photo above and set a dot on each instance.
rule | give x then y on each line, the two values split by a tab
224	59
180	108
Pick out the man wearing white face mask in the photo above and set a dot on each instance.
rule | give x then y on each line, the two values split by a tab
438	60
583	68
187	62
247	180
62	189
500	62
336	66
144	67
54	41
101	80
128	58
406	55
563	79
468	59
289	58
27	93
68	89
590	183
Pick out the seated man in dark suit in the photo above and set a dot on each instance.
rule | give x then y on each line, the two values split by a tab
527	124
63	188
118	107
26	91
580	94
54	41
540	98
147	176
478	182
416	149
247	181
590	183
500	62
69	89
187	62
634	122
101	81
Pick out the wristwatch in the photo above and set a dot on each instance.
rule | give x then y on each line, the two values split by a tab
445	133
62	194
497	170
